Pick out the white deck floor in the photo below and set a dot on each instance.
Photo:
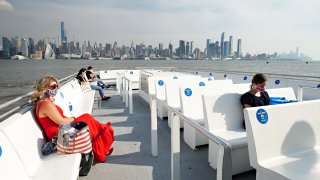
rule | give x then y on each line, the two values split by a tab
131	158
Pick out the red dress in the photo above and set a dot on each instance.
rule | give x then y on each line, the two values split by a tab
102	135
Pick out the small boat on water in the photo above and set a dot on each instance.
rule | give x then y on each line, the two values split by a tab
18	57
146	147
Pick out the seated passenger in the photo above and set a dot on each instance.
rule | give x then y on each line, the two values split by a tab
256	96
50	116
83	79
94	78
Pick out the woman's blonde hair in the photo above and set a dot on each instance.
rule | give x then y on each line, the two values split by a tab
41	87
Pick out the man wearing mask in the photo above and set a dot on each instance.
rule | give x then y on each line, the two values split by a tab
93	77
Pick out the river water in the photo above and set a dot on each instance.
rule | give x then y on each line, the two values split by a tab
18	77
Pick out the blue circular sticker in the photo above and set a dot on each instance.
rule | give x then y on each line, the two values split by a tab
197	73
210	74
202	84
106	72
209	79
160	82
61	94
225	75
0	151
188	92
262	116
277	81
245	78
175	77
318	86
131	72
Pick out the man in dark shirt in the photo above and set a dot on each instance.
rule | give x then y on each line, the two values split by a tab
93	77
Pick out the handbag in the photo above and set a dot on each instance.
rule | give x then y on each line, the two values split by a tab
49	147
74	138
280	100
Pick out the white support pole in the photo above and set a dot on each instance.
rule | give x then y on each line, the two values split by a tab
123	89
300	93
118	85
175	147
127	93
130	98
154	128
224	164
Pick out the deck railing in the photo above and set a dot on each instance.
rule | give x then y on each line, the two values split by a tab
13	101
224	169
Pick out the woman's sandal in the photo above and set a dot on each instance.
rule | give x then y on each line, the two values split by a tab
110	151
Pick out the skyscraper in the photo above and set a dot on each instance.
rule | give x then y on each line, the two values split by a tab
6	47
182	48
207	47
63	38
222	45
31	46
226	49
239	53
64	41
170	49
18	45
230	46
187	48
24	48
191	47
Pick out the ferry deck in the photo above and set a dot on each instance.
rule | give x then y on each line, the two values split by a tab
132	158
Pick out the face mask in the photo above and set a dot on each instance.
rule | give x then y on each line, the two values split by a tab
52	92
260	89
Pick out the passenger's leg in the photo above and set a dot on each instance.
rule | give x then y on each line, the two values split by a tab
97	88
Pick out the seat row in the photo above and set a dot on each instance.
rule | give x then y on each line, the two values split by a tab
215	105
21	138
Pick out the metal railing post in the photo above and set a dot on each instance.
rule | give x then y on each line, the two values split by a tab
300	93
123	89
127	92
130	98
154	126
175	147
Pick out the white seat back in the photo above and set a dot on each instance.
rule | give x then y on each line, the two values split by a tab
172	89
26	138
190	95
10	164
223	112
109	74
160	87
287	128
241	88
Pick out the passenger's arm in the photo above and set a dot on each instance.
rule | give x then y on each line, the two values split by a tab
49	109
247	105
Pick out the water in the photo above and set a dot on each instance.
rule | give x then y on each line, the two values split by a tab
18	77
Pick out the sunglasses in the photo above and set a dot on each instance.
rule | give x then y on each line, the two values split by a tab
54	86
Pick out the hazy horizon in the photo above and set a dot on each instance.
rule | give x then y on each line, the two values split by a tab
265	26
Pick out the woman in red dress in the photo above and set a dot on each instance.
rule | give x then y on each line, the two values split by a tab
50	116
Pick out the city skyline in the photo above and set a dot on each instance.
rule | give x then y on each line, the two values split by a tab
264	26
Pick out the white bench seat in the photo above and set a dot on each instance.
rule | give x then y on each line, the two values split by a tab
235	138
21	139
286	145
191	105
305	163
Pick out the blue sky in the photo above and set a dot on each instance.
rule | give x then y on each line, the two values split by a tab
263	25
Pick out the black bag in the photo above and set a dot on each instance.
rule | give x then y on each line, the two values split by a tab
86	163
49	147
